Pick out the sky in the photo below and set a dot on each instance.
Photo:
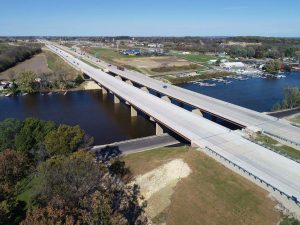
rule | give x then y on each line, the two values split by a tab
150	18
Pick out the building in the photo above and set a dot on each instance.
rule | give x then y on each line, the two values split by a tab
233	65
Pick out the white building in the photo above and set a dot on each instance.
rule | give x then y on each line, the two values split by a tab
233	65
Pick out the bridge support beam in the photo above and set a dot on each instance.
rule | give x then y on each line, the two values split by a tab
158	129
145	89
166	98
104	91
116	99
151	119
129	82
118	77
197	111
99	86
133	111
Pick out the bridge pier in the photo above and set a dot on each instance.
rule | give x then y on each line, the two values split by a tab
129	82
116	99
158	129
99	85
166	98
197	112
104	91
133	111
145	89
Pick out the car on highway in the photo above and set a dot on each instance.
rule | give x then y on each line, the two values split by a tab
165	86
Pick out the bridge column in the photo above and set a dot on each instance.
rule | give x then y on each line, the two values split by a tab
145	89
129	82
197	111
118	77
133	111
104	91
166	98
159	130
99	85
116	99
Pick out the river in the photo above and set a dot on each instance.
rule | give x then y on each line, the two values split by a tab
108	122
254	93
96	114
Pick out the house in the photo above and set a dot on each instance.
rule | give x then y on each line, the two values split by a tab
233	65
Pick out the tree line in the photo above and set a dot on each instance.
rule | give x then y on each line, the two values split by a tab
9	57
48	176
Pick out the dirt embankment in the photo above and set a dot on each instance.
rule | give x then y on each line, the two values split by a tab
158	184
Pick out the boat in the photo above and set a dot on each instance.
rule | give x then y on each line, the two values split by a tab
24	94
8	95
50	93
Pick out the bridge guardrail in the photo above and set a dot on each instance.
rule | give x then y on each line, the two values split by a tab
284	139
293	198
273	150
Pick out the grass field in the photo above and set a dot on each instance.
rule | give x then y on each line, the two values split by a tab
198	58
211	194
57	66
275	145
37	64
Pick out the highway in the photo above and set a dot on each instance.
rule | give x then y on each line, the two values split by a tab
140	144
273	168
251	119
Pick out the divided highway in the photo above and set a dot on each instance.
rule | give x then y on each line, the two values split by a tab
273	168
251	119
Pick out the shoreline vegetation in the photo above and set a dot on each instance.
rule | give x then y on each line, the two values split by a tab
291	99
203	76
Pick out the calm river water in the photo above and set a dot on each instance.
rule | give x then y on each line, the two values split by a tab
255	93
96	114
107	122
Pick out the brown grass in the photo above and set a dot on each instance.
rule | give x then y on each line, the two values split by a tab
212	194
37	64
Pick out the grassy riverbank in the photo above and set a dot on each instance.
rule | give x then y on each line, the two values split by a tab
211	194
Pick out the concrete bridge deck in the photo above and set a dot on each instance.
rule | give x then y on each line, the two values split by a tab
251	119
268	166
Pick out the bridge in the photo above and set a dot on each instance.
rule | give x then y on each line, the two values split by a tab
269	168
246	118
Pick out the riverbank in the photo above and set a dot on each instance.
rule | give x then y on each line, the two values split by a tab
203	76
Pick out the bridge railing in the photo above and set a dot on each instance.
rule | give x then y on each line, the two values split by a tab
289	197
281	138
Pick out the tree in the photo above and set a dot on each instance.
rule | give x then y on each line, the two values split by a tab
79	80
26	81
66	139
297	54
79	190
13	168
8	130
32	135
273	66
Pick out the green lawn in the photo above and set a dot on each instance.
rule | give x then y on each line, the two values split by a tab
198	58
107	54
